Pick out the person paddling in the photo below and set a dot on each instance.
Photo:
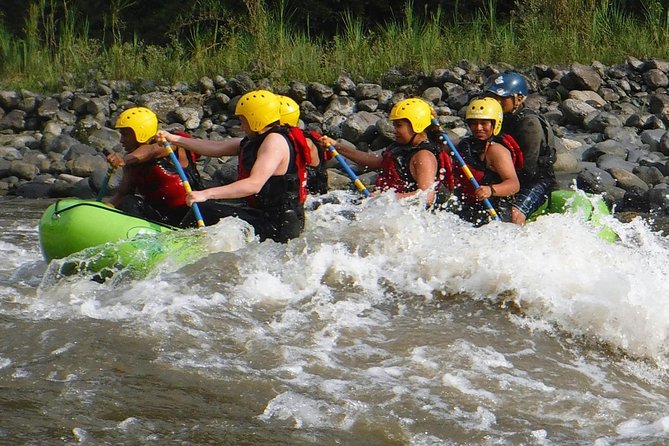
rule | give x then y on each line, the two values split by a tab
269	172
150	187
411	163
317	176
490	163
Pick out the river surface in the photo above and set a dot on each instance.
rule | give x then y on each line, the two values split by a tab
383	325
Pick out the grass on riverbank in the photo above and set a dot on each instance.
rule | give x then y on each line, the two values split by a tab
54	53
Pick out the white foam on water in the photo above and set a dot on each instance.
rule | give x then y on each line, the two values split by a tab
14	255
463	385
5	362
334	320
228	235
305	412
555	269
635	428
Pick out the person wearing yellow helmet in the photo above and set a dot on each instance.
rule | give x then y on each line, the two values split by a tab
412	162
150	187
289	111
534	136
490	163
268	171
317	176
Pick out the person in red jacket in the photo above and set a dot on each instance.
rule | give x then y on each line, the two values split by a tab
150	187
411	163
489	162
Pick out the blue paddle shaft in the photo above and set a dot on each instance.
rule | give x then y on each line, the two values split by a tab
361	187
463	165
184	180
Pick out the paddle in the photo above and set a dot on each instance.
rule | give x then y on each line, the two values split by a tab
468	173
358	184
184	180
105	181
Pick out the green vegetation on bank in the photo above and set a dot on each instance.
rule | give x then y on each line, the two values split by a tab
57	47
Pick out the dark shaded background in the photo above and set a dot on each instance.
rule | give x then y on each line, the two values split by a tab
158	21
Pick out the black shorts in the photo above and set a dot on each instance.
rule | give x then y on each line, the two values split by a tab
278	224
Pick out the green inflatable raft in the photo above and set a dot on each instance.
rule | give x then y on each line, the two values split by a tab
95	238
592	208
92	237
71	225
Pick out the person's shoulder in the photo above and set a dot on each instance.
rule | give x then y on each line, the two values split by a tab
526	114
278	139
497	149
425	152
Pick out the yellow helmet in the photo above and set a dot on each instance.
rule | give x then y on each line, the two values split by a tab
486	108
417	111
289	111
141	120
260	108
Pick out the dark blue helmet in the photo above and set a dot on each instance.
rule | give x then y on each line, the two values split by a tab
506	84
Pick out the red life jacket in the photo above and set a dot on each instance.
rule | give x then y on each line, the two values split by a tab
302	160
446	177
159	183
323	154
317	175
396	173
471	149
517	156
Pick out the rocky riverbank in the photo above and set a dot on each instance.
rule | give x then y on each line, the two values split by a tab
612	122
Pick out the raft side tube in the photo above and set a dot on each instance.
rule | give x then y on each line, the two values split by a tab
593	209
71	225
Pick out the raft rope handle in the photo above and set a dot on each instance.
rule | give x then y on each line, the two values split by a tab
57	212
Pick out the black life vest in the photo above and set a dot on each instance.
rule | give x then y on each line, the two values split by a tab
280	191
548	150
